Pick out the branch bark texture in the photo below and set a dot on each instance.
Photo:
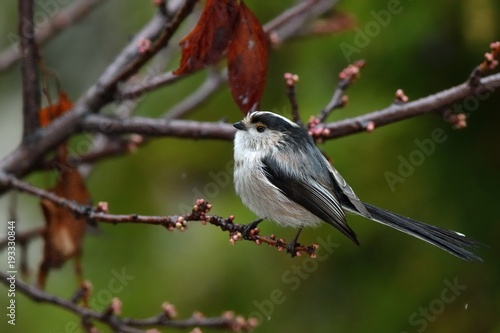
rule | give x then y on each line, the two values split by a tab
29	68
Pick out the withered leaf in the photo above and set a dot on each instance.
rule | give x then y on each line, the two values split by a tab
208	40
247	61
48	114
64	232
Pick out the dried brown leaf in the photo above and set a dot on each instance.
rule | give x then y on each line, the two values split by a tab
64	232
48	114
247	61
208	40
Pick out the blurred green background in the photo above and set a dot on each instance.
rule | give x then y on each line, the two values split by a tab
392	283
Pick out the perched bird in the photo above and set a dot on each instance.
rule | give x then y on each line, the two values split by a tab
281	175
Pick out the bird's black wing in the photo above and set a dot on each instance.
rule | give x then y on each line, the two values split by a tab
310	194
347	191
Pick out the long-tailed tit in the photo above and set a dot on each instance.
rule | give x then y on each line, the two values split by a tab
281	175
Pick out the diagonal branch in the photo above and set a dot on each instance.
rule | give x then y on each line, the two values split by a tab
29	68
158	42
150	84
430	104
295	17
213	82
22	159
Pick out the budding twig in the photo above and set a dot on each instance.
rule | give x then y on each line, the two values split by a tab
346	76
199	213
290	81
110	316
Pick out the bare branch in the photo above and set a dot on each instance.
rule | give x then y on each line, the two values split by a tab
223	322
234	323
211	84
397	112
23	159
159	127
157	42
199	213
290	81
148	85
24	237
346	76
29	68
43	194
222	131
111	147
294	18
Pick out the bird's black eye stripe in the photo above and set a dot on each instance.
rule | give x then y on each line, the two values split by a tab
261	128
271	122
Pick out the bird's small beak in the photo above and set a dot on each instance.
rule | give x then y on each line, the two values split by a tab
239	126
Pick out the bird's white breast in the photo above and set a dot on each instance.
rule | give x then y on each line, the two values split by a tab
260	195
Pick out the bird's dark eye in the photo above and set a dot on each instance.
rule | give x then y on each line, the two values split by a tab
261	128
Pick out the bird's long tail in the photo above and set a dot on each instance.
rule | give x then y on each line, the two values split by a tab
447	240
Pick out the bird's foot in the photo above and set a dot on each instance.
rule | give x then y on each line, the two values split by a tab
292	248
247	229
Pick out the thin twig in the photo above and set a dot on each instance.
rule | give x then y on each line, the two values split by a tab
12	207
222	322
293	18
150	84
199	213
29	68
22	241
113	146
346	76
211	84
157	43
290	81
24	237
234	323
397	112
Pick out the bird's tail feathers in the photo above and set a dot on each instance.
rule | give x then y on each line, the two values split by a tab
448	240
